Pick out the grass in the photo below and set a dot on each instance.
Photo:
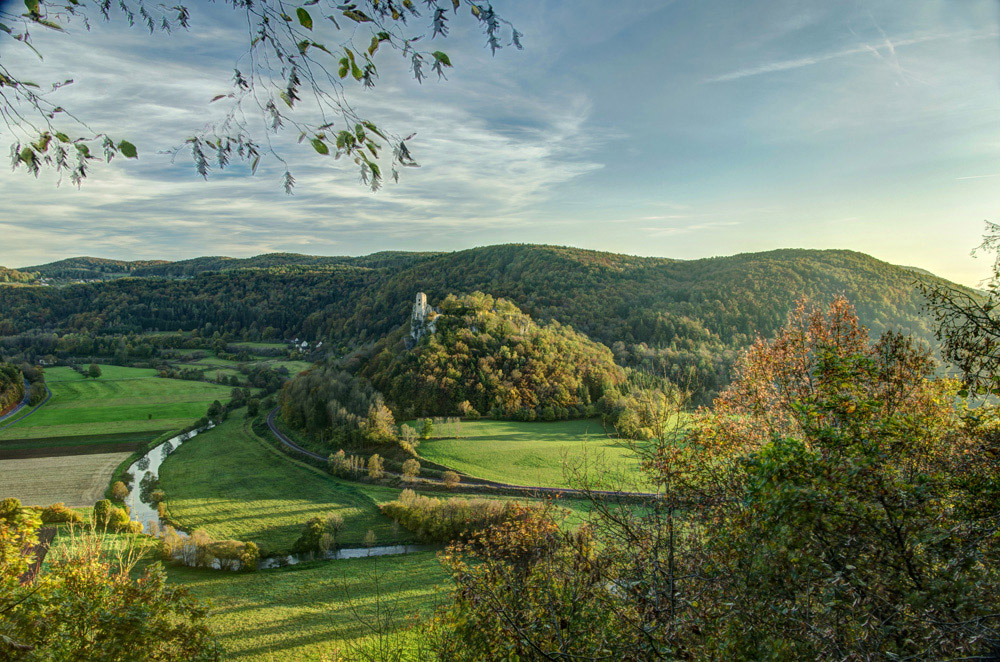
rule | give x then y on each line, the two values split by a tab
260	345
233	485
294	367
122	400
537	454
304	612
77	480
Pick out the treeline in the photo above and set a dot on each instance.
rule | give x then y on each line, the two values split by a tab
486	357
11	387
681	319
445	520
15	276
329	403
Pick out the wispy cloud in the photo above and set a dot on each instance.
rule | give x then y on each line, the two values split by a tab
888	45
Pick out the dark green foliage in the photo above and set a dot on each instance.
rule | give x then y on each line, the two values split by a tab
328	402
58	513
15	276
683	320
489	354
11	387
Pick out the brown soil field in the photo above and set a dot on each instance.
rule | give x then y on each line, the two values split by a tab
76	480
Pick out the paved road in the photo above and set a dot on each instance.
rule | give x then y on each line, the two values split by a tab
48	394
528	490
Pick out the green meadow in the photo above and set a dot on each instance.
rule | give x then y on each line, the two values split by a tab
123	402
544	454
310	611
234	485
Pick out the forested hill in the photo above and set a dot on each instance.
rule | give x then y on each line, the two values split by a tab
668	315
94	268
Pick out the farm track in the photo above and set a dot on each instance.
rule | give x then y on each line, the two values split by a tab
526	490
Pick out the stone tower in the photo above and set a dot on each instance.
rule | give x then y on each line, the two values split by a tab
422	320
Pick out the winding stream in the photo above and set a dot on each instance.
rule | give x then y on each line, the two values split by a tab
147	515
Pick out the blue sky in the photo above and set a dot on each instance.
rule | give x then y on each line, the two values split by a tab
681	129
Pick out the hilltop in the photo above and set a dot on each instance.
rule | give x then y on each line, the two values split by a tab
681	319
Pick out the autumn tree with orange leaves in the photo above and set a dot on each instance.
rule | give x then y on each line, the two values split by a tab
838	502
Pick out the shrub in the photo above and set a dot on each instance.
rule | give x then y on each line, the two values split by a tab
427	429
119	492
309	540
157	496
411	469
102	510
376	467
117	519
443	520
228	552
451	479
9	508
250	557
58	513
319	534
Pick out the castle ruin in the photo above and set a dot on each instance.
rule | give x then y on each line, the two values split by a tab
422	320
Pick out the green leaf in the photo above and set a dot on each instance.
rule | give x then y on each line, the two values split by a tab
128	150
63	138
442	58
304	18
345	66
4	28
32	6
359	17
320	146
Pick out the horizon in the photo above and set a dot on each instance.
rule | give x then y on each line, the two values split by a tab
471	248
661	130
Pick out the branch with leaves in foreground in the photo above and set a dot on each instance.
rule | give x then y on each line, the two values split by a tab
302	63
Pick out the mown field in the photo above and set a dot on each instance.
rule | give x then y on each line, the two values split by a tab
544	454
305	612
234	485
76	480
123	401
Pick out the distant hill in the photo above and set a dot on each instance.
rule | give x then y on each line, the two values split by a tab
680	319
95	268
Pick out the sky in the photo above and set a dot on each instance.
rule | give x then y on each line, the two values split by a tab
682	129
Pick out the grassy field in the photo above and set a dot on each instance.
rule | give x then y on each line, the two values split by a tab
542	454
235	486
122	400
305	611
76	480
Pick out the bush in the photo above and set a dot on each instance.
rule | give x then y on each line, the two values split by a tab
451	479
58	513
376	467
119	492
9	508
443	520
102	510
157	496
250	557
312	534
319	534
117	519
411	469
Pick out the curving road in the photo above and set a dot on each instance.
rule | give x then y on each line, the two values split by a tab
24	403
527	490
